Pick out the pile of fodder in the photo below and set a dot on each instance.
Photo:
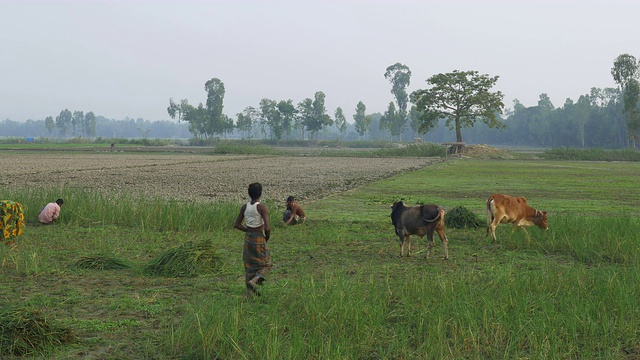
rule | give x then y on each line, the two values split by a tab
100	262
26	332
461	218
187	260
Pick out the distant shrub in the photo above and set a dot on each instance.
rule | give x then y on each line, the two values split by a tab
461	218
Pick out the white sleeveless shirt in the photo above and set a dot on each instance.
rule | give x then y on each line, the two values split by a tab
252	217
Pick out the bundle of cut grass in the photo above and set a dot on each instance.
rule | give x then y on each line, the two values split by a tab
461	218
100	262
25	332
187	260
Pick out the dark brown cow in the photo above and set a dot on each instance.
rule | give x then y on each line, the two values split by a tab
418	220
505	209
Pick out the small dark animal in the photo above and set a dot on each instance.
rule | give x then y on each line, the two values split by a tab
505	209
418	220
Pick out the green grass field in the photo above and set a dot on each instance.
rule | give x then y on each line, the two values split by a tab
338	289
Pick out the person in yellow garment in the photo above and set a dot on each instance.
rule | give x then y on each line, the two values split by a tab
253	219
50	212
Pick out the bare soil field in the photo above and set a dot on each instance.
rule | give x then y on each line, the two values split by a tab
198	177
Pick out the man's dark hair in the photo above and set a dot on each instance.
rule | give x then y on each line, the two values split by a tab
290	198
59	201
255	190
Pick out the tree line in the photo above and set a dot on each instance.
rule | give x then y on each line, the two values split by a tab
455	106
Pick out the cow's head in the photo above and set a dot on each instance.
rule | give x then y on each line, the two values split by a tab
541	220
396	210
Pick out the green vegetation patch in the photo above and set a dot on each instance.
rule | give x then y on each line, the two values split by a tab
188	260
100	262
591	154
462	218
25	331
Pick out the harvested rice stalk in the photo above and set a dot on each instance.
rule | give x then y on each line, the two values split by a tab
26	331
188	260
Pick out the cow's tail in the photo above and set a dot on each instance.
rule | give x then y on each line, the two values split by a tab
440	213
491	213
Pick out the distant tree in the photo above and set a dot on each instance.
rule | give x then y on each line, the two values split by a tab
269	117
49	124
246	119
77	120
319	117
625	73
340	121
176	111
304	115
287	114
216	122
462	98
63	122
399	76
361	121
89	124
390	121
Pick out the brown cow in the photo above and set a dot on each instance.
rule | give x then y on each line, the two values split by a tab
505	209
418	220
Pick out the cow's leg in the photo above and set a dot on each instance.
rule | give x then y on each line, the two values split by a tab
402	240
445	241
492	228
431	243
408	240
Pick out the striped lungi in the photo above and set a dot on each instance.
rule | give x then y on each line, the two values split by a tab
257	260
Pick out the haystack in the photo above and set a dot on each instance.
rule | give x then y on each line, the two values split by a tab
461	218
188	260
26	332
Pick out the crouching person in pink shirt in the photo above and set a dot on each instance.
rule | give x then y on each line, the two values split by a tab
50	212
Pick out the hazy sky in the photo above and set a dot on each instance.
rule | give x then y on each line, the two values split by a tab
127	58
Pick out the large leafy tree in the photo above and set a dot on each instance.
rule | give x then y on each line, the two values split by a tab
177	111
50	124
461	98
246	119
625	73
287	112
362	122
399	76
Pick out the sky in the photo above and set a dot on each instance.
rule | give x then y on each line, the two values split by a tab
123	59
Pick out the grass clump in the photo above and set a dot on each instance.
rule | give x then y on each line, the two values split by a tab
187	260
461	218
100	262
25	332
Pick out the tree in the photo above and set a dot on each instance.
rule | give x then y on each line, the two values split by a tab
76	121
462	98
63	121
625	74
625	67
246	119
287	114
399	76
89	128
270	118
318	117
340	121
49	124
389	121
177	111
361	121
217	122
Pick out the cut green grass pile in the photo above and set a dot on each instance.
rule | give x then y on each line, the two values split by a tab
100	262
462	218
27	332
187	260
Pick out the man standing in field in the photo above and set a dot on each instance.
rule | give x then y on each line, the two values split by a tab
255	254
294	213
50	212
